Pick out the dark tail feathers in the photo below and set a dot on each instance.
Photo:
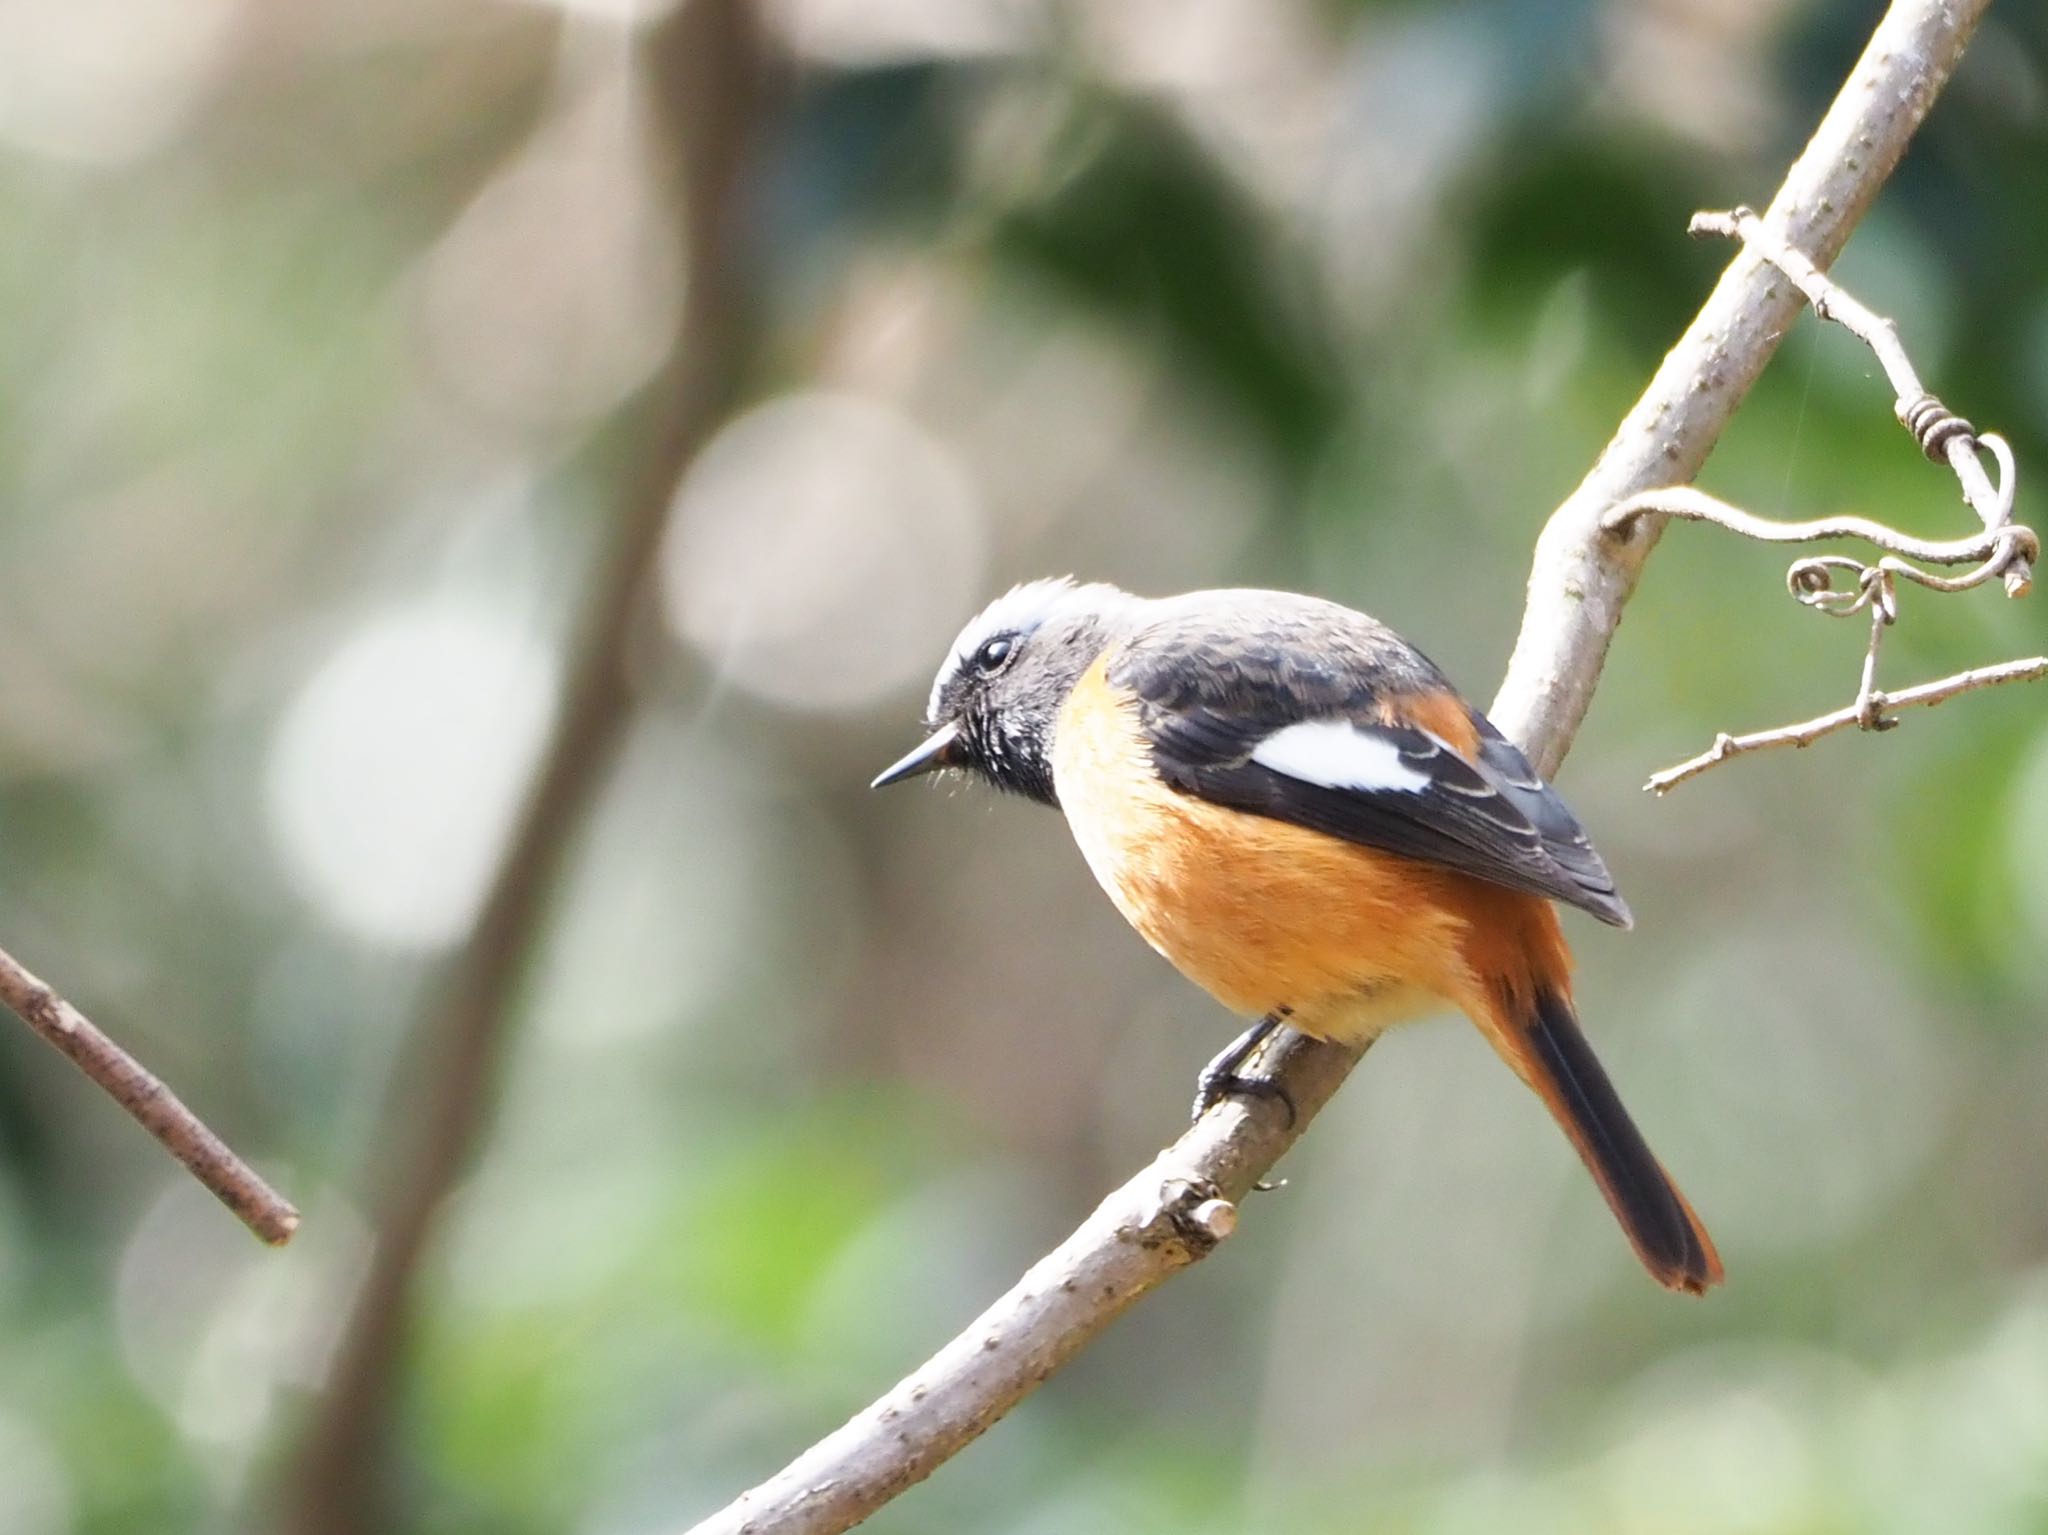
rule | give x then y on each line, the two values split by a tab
1667	1236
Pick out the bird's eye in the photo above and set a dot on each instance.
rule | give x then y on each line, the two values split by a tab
994	654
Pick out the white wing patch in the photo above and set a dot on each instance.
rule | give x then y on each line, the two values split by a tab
1336	754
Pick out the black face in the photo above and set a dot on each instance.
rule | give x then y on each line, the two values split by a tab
966	684
1004	707
997	699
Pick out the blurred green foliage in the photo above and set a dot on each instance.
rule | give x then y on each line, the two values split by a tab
321	323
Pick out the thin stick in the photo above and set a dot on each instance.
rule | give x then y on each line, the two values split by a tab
1869	701
1581	579
1689	503
151	1104
1918	410
1929	693
1582	576
2003	549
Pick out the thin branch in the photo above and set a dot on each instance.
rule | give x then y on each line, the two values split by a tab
1689	503
1874	705
1942	435
705	66
2004	549
151	1104
1582	577
1580	581
1868	709
1997	551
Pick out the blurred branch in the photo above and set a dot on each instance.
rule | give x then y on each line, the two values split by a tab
1167	1216
151	1104
704	69
2004	549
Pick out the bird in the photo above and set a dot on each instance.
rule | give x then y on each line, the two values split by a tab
1294	807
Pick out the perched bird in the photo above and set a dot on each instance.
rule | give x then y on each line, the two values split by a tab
1293	806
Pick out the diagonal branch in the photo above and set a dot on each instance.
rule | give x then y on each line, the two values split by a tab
152	1105
1166	1217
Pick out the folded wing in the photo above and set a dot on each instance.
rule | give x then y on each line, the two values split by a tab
1353	739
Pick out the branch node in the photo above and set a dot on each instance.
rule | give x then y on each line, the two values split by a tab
1213	1219
1719	225
1194	1210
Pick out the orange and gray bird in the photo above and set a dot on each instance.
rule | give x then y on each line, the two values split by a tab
1291	803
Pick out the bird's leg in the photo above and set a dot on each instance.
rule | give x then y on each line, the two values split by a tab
1220	1078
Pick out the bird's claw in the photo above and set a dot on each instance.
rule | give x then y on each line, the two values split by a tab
1214	1086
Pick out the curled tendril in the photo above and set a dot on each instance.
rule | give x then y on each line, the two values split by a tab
1934	426
2003	550
1813	580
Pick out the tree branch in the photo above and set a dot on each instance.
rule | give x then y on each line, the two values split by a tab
1942	435
1688	503
1146	1231
1858	713
2004	549
1999	550
151	1104
705	69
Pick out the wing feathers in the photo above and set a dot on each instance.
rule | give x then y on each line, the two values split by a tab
1397	788
1337	754
1307	712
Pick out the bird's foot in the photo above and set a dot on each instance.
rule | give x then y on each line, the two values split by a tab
1221	1079
1212	1087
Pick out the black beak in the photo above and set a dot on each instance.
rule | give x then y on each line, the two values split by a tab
936	752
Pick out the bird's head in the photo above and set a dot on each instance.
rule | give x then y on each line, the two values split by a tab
998	696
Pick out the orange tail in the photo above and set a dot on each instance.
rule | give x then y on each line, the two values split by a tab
1550	1053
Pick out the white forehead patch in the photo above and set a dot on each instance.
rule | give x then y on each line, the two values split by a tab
1337	754
1021	610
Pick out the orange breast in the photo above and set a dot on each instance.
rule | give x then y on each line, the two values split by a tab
1266	915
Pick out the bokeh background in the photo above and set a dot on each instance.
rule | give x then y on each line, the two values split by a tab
404	401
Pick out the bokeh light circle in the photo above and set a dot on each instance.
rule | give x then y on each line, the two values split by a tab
396	771
825	550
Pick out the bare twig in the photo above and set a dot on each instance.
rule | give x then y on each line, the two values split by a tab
706	67
2004	549
1942	435
1581	579
1811	580
151	1104
1868	707
1692	504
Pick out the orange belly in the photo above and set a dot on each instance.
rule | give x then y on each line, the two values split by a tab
1266	915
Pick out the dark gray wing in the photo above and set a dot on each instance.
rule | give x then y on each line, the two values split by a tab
1301	711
